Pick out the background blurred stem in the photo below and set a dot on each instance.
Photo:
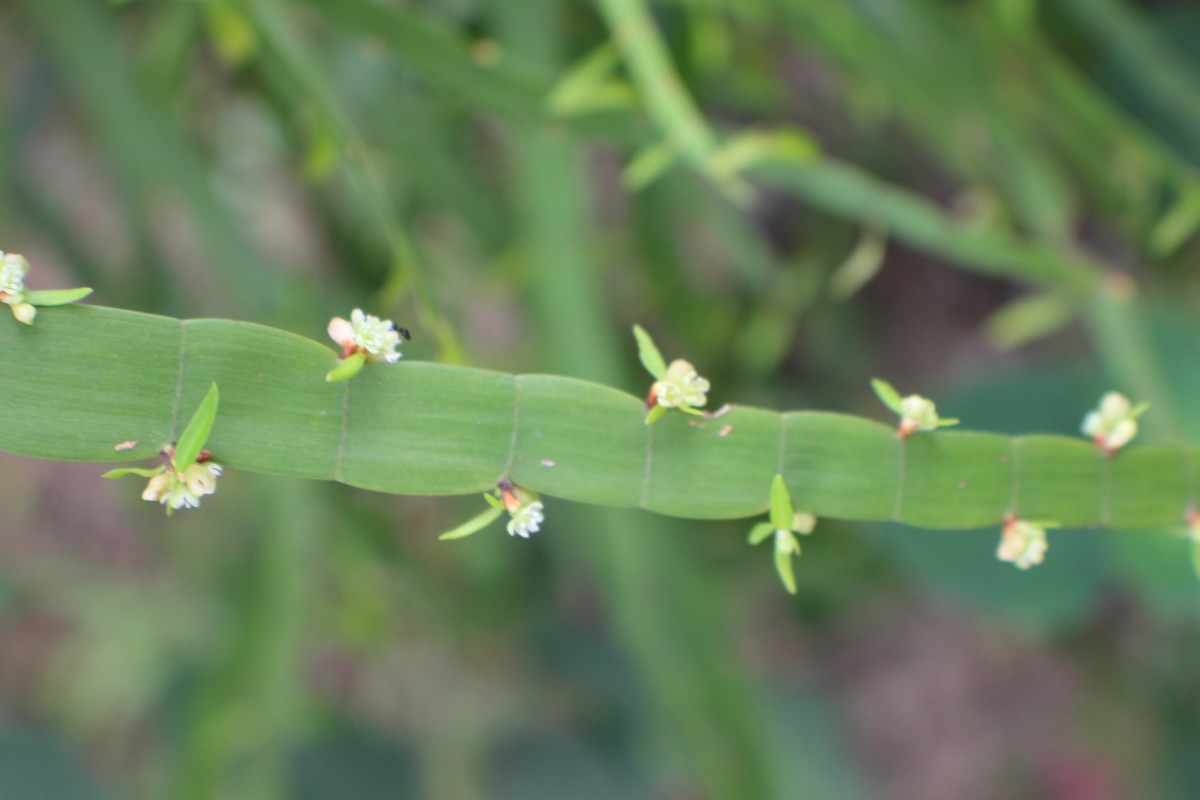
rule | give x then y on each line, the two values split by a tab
247	713
697	690
294	62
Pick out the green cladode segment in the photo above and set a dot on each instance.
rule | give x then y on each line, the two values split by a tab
85	379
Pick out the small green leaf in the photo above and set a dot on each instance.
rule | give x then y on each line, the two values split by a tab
760	532
862	265
346	370
494	502
696	412
888	395
655	414
474	524
781	505
589	85
192	440
652	360
1138	410
1030	318
57	297
948	422
783	565
648	165
149	472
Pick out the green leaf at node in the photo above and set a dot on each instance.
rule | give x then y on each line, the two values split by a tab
347	369
474	524
783	565
655	414
139	471
781	505
760	532
56	297
652	360
192	440
888	395
494	502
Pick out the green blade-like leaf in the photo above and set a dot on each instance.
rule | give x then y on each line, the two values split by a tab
783	565
781	505
195	435
494	502
56	297
888	395
655	414
148	472
474	524
652	360
760	532
347	368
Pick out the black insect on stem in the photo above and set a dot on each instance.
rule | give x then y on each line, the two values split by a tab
400	329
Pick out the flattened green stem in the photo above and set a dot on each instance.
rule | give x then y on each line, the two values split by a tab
106	376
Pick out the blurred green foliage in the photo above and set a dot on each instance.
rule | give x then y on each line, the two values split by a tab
797	194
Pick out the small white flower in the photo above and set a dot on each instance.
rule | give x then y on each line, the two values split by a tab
182	490
681	386
526	520
524	506
13	269
1022	543
367	334
803	522
1114	424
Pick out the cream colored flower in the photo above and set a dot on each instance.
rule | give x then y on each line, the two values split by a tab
182	490
1114	423
1022	543
376	338
681	386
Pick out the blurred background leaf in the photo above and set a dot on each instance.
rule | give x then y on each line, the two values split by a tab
846	190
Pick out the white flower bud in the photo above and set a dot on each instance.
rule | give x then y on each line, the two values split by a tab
158	488
24	312
201	479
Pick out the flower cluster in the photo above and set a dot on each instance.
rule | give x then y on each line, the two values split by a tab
1022	543
13	269
376	338
178	490
524	507
676	386
681	387
1114	423
188	472
916	413
364	339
